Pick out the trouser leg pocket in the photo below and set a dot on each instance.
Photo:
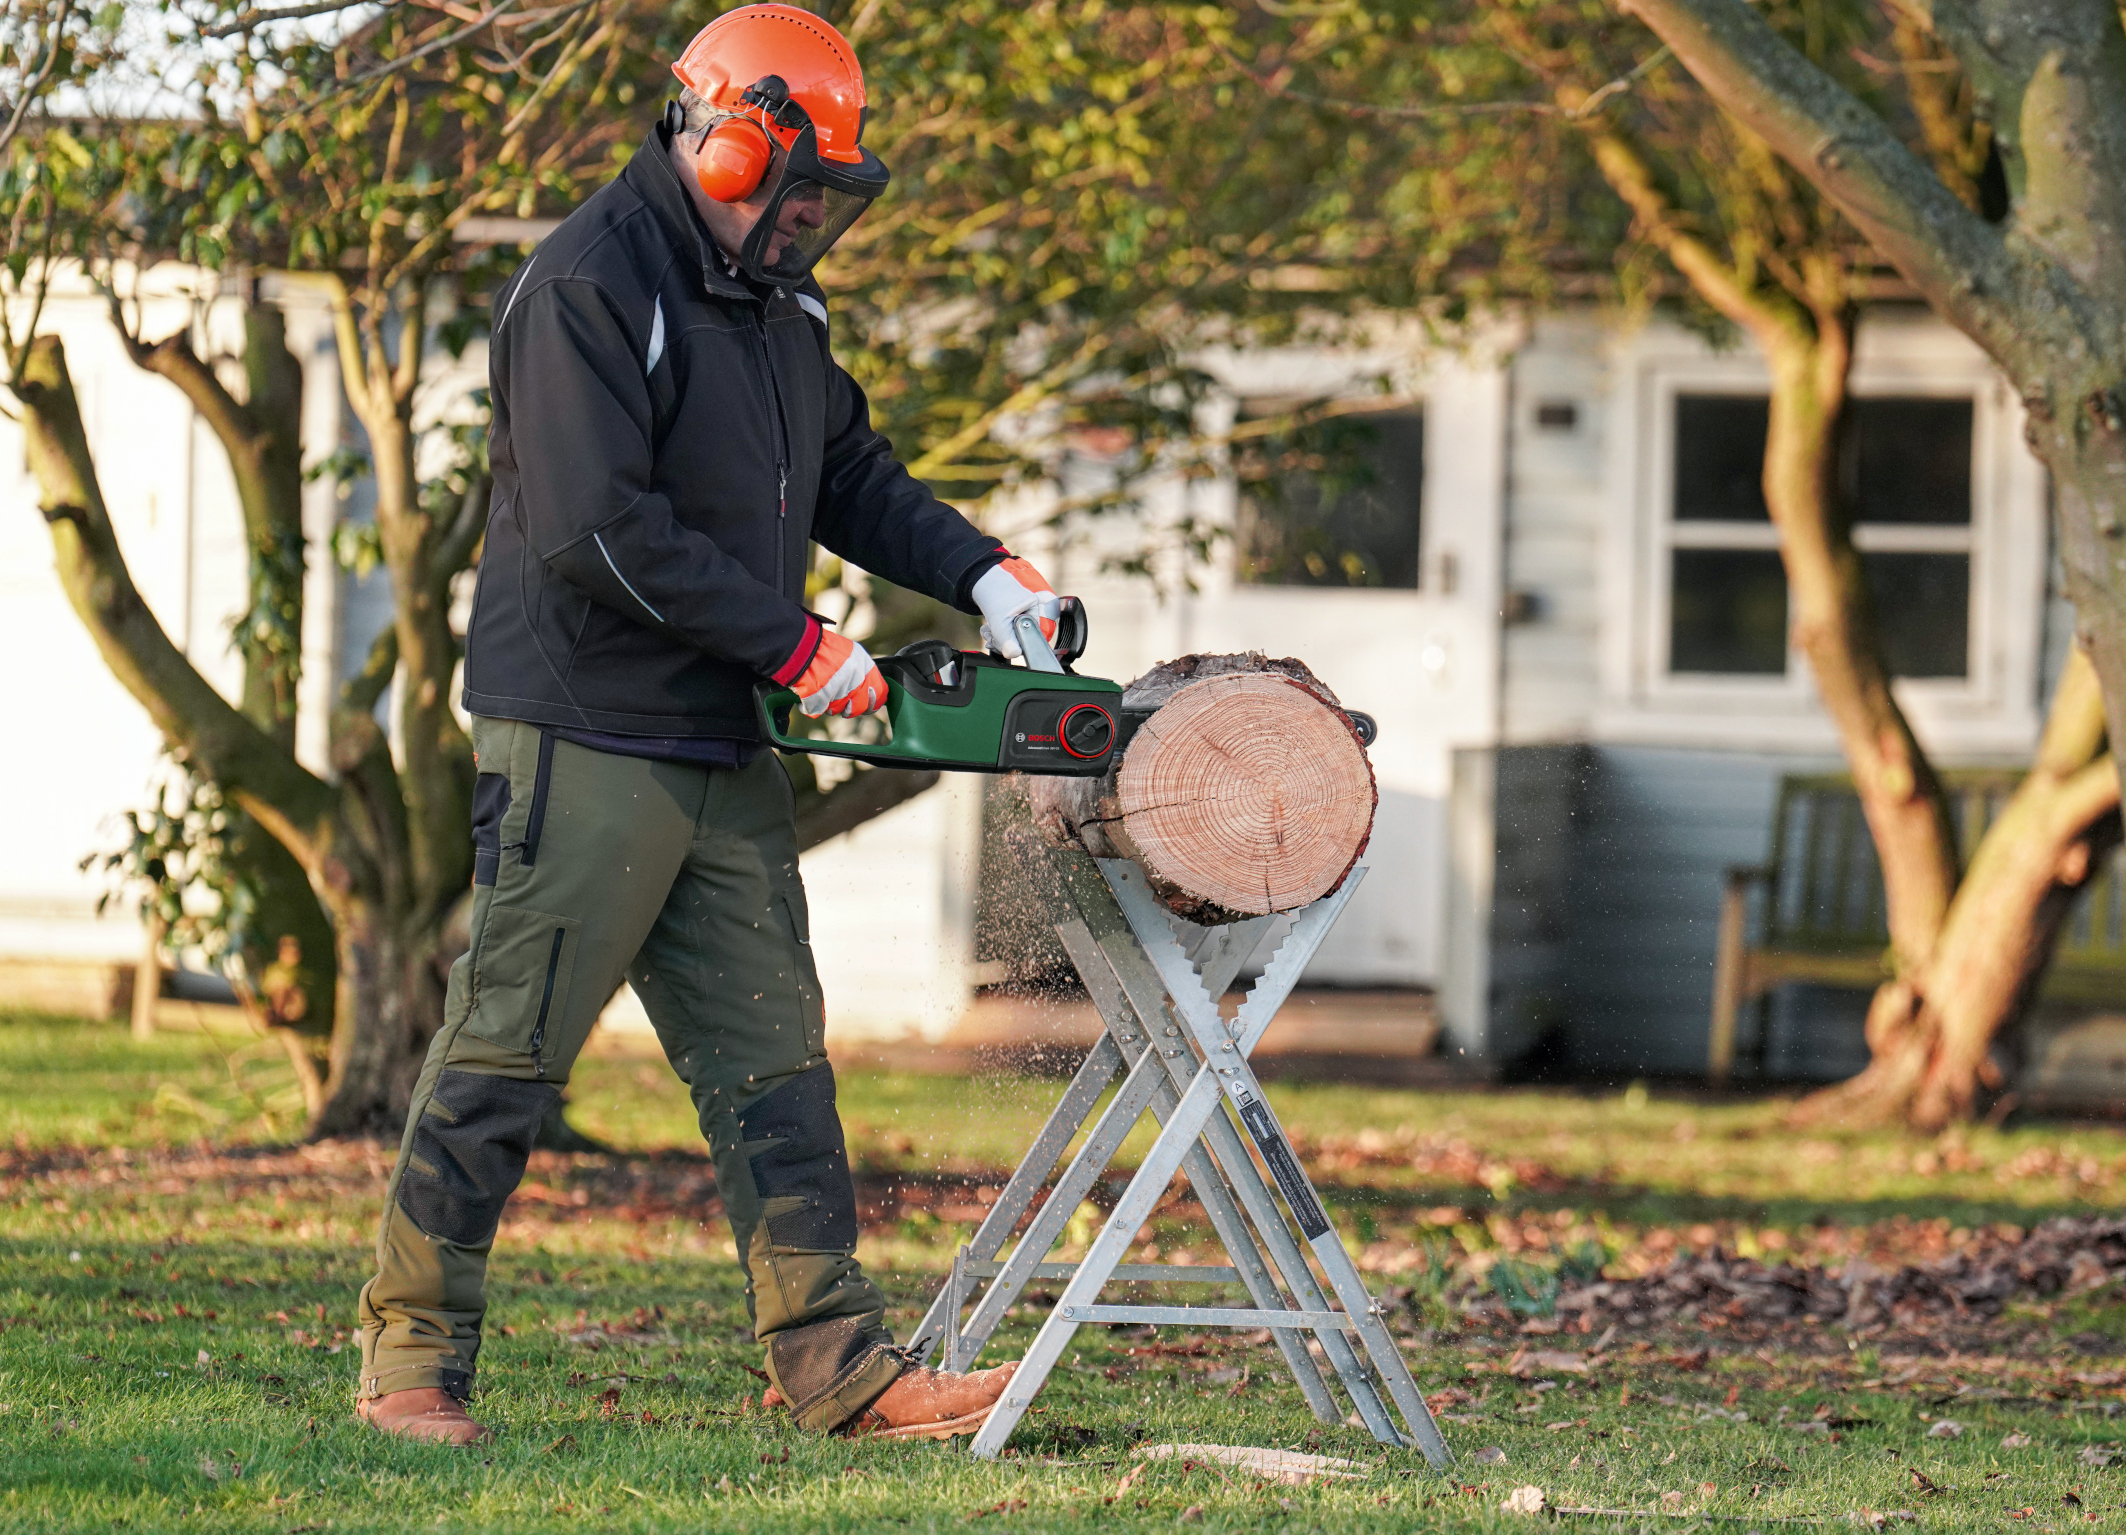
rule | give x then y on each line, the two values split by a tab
490	803
522	963
811	1014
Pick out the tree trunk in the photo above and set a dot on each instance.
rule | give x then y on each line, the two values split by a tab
348	836
1930	1030
2083	443
1834	626
1245	790
283	951
392	987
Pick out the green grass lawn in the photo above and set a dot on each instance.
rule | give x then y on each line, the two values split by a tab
177	1282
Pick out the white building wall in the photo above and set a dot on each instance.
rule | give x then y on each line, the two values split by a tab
1542	634
1552	613
80	749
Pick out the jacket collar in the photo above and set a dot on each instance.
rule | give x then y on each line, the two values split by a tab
652	178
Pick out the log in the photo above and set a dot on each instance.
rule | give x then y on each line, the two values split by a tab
1245	791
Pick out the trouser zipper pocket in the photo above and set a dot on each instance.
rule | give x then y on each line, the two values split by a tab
522	964
541	779
546	998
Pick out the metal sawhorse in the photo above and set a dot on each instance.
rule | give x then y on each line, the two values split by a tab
1178	1058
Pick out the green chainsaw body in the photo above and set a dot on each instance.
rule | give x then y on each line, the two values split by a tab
991	718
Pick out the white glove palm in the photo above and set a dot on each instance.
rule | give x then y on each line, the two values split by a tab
1007	591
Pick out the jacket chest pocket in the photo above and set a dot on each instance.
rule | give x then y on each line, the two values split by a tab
522	964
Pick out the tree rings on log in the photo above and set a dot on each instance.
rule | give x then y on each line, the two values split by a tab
1247	792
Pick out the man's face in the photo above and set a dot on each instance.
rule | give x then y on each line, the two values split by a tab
730	223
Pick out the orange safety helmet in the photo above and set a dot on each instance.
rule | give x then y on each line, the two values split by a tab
786	79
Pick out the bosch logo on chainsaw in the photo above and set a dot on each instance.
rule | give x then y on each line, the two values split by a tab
1057	733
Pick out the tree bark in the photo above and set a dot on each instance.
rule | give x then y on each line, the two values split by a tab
348	836
1931	1029
291	937
391	983
1245	790
1834	627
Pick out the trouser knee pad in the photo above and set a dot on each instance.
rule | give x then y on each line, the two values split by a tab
801	1174
469	1150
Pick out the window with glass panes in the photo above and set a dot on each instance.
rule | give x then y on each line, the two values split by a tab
1904	468
1336	502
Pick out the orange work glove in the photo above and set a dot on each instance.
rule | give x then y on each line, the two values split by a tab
1003	593
842	679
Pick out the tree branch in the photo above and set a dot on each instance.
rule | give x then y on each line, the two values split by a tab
33	85
173	358
254	16
346	337
294	805
1935	87
1957	260
2074	724
460	544
1716	281
359	693
849	804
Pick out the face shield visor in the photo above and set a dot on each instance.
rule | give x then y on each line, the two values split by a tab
814	202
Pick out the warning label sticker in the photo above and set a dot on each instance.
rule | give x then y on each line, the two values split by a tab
1284	1167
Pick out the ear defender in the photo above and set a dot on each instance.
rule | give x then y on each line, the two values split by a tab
733	159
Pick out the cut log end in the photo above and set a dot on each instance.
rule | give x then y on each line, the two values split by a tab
1246	793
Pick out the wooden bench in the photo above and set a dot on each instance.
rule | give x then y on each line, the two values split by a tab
1820	911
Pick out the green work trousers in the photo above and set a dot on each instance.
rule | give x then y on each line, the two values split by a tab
589	866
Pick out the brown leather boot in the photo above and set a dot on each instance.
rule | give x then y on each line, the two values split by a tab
924	1404
425	1413
932	1404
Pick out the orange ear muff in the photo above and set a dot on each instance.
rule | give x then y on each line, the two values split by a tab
732	159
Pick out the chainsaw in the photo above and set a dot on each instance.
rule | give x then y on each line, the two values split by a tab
967	711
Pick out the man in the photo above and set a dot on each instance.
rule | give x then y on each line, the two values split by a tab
670	433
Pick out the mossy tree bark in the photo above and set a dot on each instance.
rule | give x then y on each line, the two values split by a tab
2043	291
353	836
286	966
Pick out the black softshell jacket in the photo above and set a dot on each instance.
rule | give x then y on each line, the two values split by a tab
666	444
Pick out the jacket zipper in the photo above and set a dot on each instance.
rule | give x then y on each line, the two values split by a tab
782	454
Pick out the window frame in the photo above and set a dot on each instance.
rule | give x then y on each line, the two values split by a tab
1995	659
